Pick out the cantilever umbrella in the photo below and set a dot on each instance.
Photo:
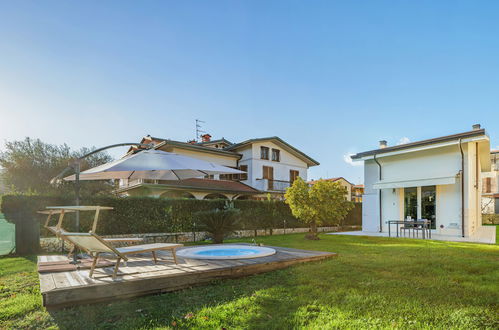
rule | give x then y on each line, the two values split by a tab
154	165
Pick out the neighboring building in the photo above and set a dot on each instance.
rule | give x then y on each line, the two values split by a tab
271	166
437	179
342	181
490	186
357	192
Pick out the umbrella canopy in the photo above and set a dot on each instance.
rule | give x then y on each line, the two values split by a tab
154	165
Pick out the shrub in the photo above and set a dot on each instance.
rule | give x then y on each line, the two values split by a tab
219	222
490	219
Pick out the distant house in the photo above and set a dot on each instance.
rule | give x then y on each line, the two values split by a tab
342	181
271	166
438	179
490	186
357	192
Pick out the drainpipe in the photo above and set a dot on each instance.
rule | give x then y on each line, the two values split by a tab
462	186
380	209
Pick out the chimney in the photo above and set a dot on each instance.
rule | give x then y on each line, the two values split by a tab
206	137
476	127
382	144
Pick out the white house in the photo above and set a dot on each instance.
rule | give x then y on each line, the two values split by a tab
271	166
490	186
437	179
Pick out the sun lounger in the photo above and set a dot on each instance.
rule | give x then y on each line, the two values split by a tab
57	229
95	245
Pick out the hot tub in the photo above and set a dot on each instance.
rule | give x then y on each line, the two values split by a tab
225	252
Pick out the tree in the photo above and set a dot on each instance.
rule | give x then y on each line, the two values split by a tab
324	201
29	165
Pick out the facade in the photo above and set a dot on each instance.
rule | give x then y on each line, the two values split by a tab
271	166
438	179
343	182
490	186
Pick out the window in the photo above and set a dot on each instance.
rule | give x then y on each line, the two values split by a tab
243	176
293	175
268	173
264	153
488	185
276	155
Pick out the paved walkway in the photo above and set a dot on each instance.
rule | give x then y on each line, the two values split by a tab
483	235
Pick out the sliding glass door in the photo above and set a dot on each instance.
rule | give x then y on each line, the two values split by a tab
428	199
411	203
429	204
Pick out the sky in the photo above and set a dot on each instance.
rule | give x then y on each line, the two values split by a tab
331	78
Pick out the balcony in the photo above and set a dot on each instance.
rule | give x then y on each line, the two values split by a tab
272	185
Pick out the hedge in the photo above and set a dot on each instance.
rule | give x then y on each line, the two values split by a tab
490	219
134	215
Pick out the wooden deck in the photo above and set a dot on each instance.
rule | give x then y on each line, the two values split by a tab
142	277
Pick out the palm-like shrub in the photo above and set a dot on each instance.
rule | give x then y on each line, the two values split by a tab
218	222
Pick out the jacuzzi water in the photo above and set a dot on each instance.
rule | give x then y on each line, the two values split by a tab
225	252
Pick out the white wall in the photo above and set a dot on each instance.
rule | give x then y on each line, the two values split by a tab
251	157
370	199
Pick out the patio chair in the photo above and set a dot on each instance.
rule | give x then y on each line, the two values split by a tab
408	225
94	245
57	230
423	228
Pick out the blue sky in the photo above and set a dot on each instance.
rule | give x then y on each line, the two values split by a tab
329	77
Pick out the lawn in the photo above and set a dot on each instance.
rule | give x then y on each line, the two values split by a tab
375	283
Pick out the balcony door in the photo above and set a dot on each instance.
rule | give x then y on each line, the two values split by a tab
268	173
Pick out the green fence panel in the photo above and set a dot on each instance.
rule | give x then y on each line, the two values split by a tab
7	236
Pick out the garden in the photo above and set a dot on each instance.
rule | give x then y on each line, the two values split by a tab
374	282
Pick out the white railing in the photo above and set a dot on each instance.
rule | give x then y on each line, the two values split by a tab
272	185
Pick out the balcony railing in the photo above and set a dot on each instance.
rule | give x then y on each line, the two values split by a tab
272	185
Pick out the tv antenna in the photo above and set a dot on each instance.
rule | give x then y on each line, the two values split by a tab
198	129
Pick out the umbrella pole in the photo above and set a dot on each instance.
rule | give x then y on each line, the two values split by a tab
77	214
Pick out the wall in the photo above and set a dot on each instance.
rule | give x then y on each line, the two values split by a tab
251	156
370	198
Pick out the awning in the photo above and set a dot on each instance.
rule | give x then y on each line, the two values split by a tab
383	184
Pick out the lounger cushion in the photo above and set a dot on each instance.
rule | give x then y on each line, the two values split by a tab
147	248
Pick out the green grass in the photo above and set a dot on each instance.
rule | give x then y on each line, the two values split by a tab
375	282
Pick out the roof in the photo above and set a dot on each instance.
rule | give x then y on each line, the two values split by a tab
420	143
222	140
309	160
202	184
330	179
198	147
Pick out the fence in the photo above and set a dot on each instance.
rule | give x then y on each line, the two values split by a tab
7	236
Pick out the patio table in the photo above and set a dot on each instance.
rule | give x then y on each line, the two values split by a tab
425	224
